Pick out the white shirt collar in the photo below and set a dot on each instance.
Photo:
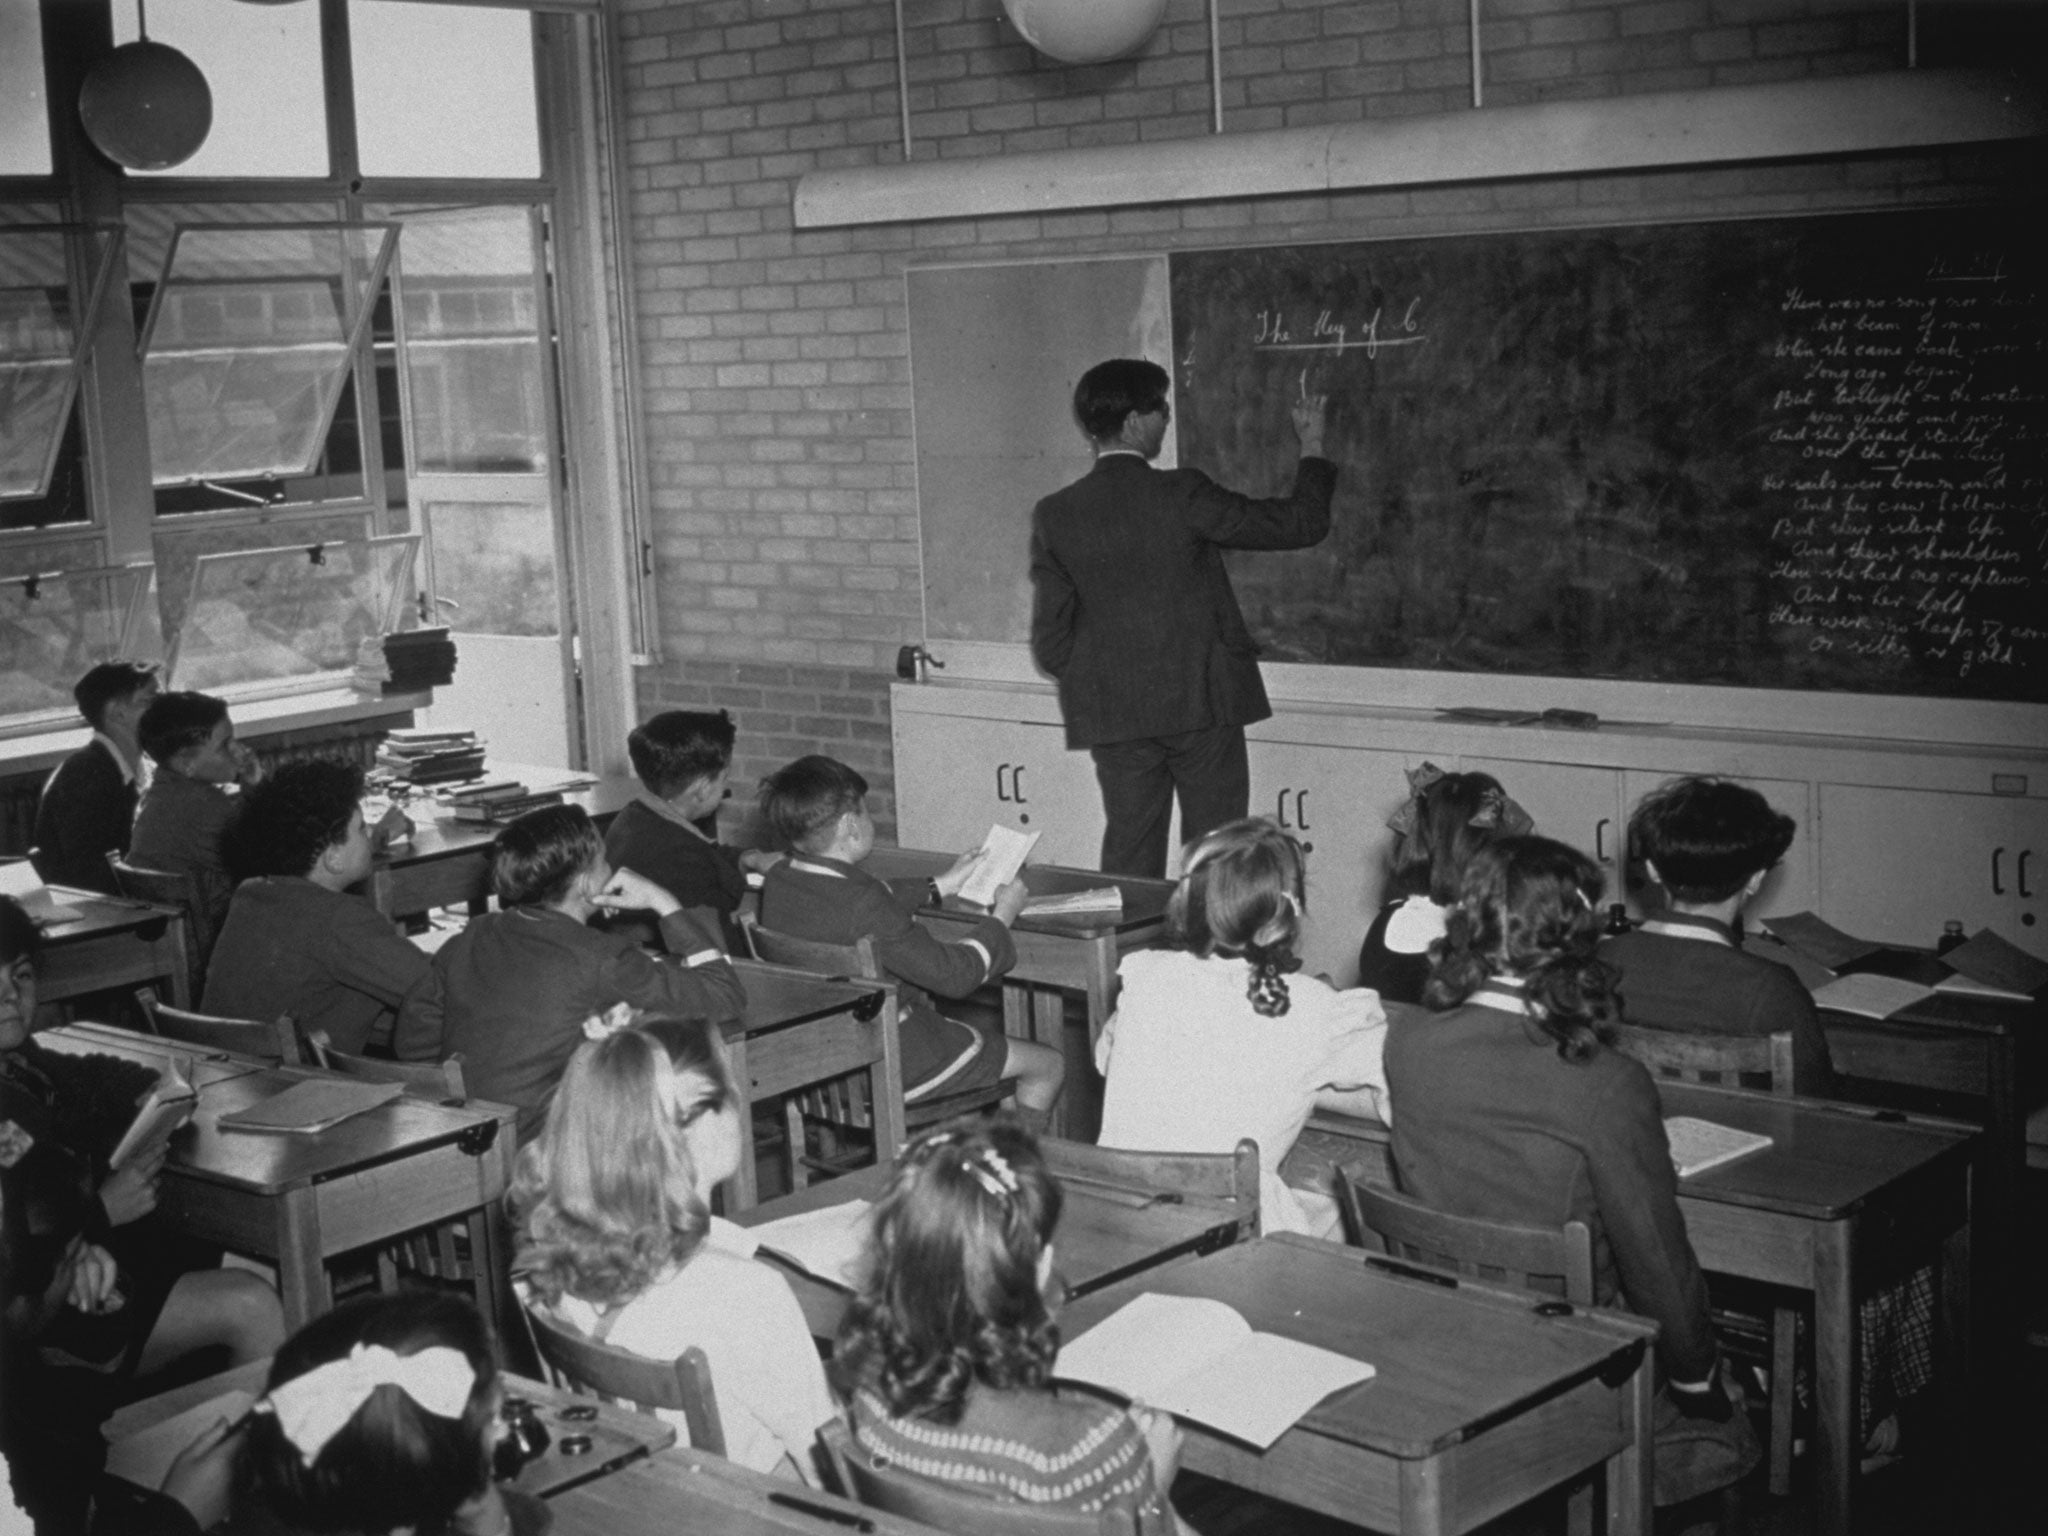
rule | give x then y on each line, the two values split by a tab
130	772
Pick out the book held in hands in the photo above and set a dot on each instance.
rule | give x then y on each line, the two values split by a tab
164	1106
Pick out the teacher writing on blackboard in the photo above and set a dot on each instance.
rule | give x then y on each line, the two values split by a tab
1134	614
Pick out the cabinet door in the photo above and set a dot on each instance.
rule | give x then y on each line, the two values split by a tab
1793	886
1571	802
1896	864
1336	800
955	775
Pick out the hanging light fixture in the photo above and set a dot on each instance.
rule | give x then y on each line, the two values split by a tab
1085	31
146	105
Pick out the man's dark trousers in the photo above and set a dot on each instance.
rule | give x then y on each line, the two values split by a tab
1210	770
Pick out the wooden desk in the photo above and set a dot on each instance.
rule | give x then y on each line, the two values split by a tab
690	1490
800	1030
1479	1404
1055	955
116	943
298	1201
448	863
1842	1200
1105	1234
151	1051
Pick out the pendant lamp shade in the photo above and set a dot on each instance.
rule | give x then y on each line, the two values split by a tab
146	106
1085	31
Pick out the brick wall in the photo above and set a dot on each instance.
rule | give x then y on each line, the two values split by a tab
777	361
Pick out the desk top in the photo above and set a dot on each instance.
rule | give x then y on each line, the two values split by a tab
778	996
1144	900
1951	1011
101	914
690	1490
208	1066
434	838
1825	1160
1451	1359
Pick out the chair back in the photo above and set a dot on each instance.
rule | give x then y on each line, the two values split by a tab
1232	1176
962	1511
164	888
1534	1258
853	960
1725	1059
437	1080
275	1040
583	1364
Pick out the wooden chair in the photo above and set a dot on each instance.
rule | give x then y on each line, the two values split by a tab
843	1103
166	889
681	1385
1232	1176
276	1042
960	1511
1558	1260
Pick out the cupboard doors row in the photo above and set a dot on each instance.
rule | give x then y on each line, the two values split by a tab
955	776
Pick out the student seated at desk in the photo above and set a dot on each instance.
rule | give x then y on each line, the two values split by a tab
101	1289
618	1239
517	984
379	1417
185	811
295	941
946	1353
1710	843
818	807
1223	1038
88	805
1437	828
670	832
1512	1108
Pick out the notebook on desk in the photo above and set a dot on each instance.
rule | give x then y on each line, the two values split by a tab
307	1108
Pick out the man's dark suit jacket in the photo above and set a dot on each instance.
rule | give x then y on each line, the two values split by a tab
87	809
1134	613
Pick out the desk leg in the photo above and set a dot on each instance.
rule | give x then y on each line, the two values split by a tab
885	1083
1422	1498
1956	1378
301	1265
743	1188
181	962
1629	1485
1834	1372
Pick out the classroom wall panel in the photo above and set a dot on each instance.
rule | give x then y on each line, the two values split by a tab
777	379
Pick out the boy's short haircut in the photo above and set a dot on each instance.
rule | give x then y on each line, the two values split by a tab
1110	391
175	722
538	857
284	824
800	802
678	747
107	683
1708	836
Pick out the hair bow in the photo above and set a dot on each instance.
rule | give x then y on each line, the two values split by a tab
991	1170
1497	811
312	1409
602	1026
1419	779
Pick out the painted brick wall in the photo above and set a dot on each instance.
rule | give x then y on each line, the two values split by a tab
777	362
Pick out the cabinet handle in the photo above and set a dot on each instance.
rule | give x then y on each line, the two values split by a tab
2025	854
1000	795
1600	840
1017	783
1280	810
1997	885
1301	810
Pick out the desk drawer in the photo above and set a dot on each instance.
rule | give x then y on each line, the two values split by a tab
430	1186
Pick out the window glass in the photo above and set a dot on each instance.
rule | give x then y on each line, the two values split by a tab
41	337
262	63
24	106
494	565
54	627
418	116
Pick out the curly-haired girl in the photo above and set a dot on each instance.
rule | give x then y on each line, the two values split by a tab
947	1352
619	1241
1223	1038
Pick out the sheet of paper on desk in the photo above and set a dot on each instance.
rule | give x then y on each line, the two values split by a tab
18	878
311	1106
996	862
827	1243
168	1104
1873	996
1103	899
1697	1145
1819	940
1200	1359
145	1456
1811	973
1990	966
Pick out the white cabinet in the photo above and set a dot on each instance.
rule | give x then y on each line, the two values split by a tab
1574	803
1896	864
955	776
1794	886
1336	801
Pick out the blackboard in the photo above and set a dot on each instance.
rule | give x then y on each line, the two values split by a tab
1797	453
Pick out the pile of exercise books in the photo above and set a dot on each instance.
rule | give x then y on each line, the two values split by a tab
495	800
431	757
405	663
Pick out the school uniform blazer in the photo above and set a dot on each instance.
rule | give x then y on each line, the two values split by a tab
87	810
178	828
1490	1121
697	871
1133	610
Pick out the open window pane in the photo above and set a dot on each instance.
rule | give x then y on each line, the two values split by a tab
54	627
250	337
274	615
444	90
494	566
41	347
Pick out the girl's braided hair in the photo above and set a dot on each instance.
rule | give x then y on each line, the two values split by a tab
1241	895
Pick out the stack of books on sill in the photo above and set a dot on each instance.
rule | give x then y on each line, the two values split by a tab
431	757
496	800
405	663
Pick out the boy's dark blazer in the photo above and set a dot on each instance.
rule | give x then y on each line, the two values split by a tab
1133	610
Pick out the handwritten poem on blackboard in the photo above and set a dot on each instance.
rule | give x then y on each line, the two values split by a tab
1913	524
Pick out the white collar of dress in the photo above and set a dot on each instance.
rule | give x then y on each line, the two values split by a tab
1502	992
1684	925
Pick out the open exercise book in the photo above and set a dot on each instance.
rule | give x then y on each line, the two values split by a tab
1697	1145
827	1243
1200	1359
168	1104
311	1106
